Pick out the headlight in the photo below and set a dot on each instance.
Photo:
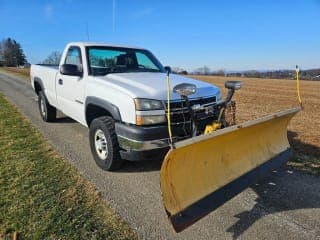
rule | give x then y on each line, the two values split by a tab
149	111
219	96
150	119
143	104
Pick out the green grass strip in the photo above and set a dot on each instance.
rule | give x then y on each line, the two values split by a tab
41	195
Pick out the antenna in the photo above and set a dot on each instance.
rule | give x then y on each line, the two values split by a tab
113	15
87	31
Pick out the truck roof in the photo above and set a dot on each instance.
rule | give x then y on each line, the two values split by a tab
88	44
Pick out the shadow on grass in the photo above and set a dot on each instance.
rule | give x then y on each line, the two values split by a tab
302	147
306	156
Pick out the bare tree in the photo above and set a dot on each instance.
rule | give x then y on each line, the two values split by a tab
53	58
179	70
220	72
203	71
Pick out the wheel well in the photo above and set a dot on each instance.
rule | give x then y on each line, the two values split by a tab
37	87
93	111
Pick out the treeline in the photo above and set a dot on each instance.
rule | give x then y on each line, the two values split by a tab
310	74
11	53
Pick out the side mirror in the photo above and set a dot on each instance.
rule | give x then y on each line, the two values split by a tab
71	70
168	69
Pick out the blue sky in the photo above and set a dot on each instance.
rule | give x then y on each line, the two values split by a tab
230	34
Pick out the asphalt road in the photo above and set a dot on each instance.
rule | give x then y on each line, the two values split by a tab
284	206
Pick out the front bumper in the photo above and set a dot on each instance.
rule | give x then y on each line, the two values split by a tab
132	144
140	143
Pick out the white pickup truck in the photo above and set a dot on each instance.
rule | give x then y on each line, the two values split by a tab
120	93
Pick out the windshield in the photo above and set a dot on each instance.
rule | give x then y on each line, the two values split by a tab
105	60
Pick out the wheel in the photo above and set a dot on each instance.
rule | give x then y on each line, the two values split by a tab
104	144
47	112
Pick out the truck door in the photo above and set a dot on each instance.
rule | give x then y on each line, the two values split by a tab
70	89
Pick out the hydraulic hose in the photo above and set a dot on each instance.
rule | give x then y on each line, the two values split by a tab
168	110
298	85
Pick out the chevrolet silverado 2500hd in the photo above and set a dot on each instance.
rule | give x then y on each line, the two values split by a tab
120	93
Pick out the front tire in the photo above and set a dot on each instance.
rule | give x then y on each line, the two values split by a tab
104	144
48	113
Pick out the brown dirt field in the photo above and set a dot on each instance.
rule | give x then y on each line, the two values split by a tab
259	97
22	71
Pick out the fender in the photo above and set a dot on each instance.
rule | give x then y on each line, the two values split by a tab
39	81
111	108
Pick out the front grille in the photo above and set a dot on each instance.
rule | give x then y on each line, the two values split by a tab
180	113
202	101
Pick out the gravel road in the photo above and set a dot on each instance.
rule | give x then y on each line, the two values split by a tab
284	206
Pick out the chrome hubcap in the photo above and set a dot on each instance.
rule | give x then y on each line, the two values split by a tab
100	142
42	107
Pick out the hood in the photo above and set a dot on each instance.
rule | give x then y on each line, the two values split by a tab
154	85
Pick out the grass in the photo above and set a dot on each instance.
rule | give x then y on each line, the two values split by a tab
306	163
18	72
41	195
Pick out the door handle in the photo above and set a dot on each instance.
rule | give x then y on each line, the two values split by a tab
60	81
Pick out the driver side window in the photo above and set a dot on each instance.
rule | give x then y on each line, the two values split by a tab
145	62
74	57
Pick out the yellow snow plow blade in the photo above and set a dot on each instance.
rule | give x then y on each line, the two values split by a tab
200	174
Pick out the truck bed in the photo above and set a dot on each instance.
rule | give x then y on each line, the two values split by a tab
47	75
48	65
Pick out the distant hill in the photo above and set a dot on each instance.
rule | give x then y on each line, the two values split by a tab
310	74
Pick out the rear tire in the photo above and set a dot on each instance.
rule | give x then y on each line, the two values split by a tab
48	113
104	144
